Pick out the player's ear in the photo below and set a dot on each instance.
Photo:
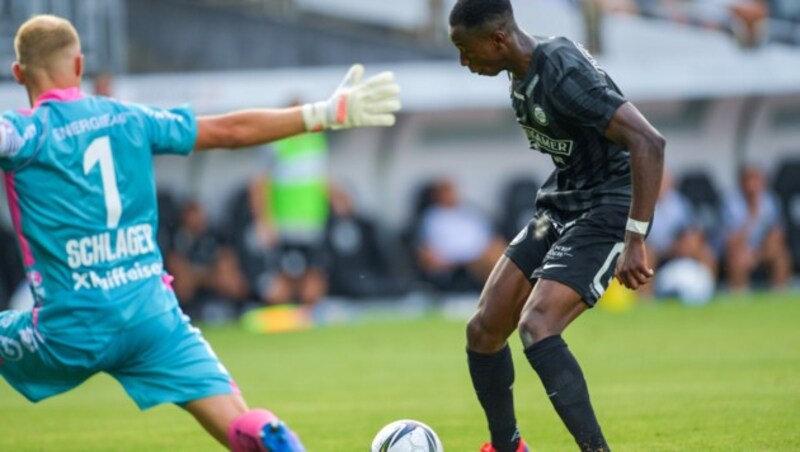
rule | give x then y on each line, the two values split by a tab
79	65
500	39
19	75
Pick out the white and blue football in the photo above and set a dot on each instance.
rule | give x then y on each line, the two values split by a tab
406	436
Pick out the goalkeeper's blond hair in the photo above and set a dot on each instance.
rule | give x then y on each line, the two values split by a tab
43	42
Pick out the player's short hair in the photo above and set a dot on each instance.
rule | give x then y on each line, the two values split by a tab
479	13
41	38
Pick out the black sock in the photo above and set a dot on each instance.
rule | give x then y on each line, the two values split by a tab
563	380
493	378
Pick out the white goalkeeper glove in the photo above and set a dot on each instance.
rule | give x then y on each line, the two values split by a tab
356	104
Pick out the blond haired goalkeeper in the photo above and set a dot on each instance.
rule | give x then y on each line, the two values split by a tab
103	299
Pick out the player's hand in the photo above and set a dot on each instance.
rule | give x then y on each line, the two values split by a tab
632	268
356	103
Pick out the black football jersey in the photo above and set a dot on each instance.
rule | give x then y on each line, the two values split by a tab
564	104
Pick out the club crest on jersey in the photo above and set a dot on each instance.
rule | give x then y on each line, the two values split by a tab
539	115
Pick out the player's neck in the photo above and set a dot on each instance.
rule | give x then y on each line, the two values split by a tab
36	90
522	54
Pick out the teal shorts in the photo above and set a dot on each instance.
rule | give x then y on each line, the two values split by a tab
160	360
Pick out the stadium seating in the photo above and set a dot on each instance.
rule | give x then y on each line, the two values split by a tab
517	205
360	267
98	22
421	199
787	187
11	264
168	218
699	188
238	233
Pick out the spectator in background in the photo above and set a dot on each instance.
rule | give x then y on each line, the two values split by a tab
674	237
103	83
206	271
592	11
747	20
359	266
744	19
455	239
754	232
289	204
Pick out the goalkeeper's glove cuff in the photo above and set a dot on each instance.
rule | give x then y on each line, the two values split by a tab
315	116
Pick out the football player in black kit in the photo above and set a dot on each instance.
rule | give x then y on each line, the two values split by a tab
593	213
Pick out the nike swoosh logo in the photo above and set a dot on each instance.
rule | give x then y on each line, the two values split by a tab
549	266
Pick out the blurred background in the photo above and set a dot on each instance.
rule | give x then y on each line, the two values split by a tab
413	216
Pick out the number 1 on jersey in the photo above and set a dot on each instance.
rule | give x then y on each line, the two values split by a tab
99	151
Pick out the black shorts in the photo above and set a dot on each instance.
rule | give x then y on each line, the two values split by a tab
578	250
295	259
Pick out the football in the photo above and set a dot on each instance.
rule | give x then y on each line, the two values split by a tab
406	436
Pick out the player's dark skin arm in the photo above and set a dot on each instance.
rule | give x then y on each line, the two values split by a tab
629	128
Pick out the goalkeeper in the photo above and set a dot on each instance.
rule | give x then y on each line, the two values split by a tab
103	301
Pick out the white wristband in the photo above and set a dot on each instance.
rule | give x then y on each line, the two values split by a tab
315	116
637	227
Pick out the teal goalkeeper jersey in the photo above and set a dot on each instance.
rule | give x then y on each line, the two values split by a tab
79	177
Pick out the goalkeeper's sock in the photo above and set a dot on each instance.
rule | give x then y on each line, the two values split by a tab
563	380
260	430
493	378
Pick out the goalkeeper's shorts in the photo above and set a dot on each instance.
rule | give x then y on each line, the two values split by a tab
161	360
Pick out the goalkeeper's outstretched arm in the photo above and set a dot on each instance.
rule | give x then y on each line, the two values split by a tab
372	102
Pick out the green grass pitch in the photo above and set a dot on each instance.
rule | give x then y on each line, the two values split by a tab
663	378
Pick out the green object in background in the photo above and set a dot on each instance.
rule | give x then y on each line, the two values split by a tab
297	194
